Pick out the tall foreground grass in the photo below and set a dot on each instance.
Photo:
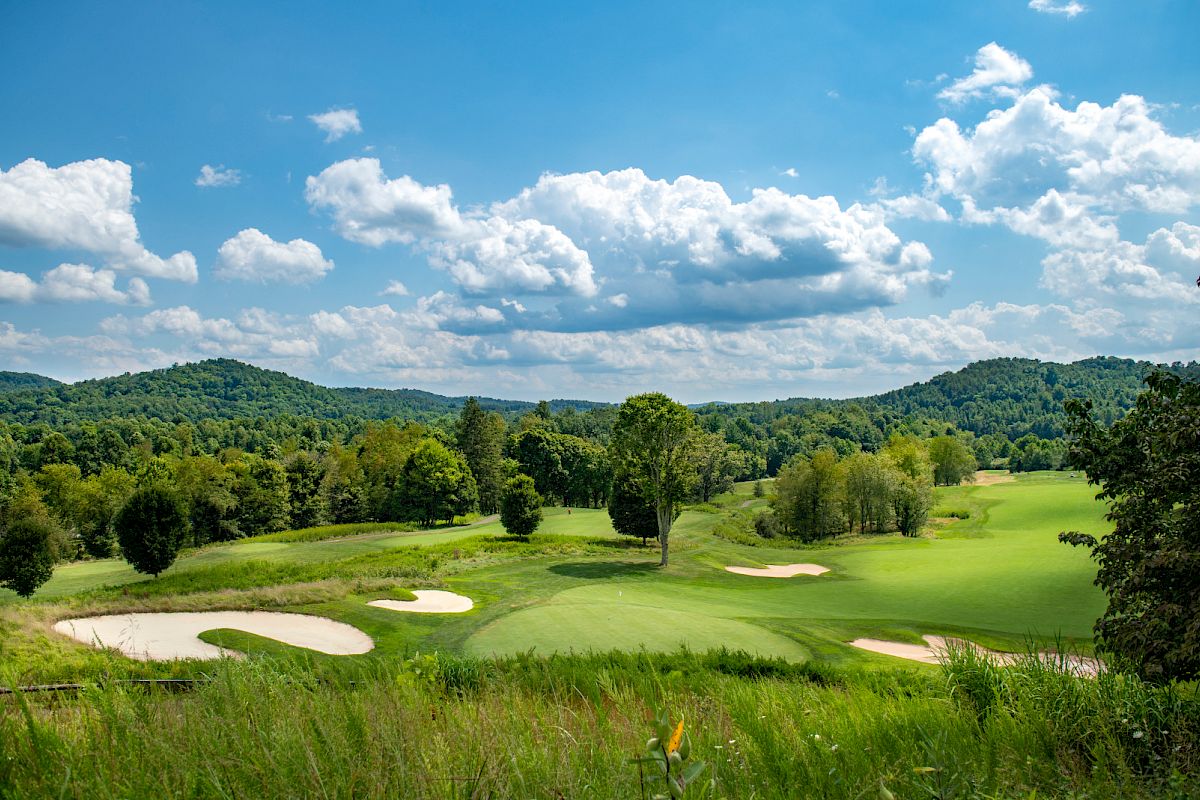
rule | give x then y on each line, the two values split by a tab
566	727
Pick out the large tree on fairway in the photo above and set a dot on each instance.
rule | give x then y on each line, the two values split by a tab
151	528
520	506
27	554
870	484
1148	468
653	442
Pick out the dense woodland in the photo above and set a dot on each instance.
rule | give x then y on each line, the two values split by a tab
244	451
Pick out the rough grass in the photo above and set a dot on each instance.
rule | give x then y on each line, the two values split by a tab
436	726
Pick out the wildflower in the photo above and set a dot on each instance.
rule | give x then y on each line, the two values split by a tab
676	738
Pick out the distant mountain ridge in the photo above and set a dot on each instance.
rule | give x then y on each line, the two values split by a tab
1012	396
224	388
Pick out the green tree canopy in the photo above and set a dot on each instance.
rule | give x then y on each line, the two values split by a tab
520	506
435	484
653	443
1148	468
151	529
480	436
629	510
953	462
27	554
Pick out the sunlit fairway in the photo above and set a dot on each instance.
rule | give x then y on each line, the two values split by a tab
997	577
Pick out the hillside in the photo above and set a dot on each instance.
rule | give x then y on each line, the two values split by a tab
1015	396
1008	396
14	381
227	389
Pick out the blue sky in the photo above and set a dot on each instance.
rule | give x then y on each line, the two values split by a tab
547	200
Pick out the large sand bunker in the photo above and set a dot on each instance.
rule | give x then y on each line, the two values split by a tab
936	647
164	636
429	601
779	570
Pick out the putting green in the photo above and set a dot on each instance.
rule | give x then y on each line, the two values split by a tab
565	626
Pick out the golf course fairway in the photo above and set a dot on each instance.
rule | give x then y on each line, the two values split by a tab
997	577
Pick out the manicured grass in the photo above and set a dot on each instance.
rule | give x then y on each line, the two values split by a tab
72	579
1001	578
997	577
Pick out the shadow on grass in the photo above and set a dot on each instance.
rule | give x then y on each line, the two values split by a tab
604	569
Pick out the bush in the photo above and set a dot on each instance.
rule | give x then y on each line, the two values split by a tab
952	513
766	525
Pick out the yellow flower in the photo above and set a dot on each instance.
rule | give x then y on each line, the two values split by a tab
676	738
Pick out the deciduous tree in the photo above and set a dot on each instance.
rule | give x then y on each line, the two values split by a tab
1148	468
653	441
151	529
952	461
520	506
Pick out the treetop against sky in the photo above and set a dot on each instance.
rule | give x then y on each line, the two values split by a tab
718	202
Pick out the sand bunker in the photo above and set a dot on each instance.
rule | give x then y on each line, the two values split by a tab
165	636
780	570
991	478
936	648
429	601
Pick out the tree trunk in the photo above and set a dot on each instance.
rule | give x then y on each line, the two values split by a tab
664	528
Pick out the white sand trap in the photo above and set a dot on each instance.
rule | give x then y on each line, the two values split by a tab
165	636
936	647
780	570
429	601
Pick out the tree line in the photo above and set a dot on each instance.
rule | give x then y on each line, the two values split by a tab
298	473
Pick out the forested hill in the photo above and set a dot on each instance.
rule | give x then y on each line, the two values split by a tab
227	389
12	381
1008	396
1016	396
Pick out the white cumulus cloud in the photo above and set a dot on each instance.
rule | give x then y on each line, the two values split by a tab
84	205
676	250
395	289
997	71
72	283
254	256
1068	9
219	175
337	122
